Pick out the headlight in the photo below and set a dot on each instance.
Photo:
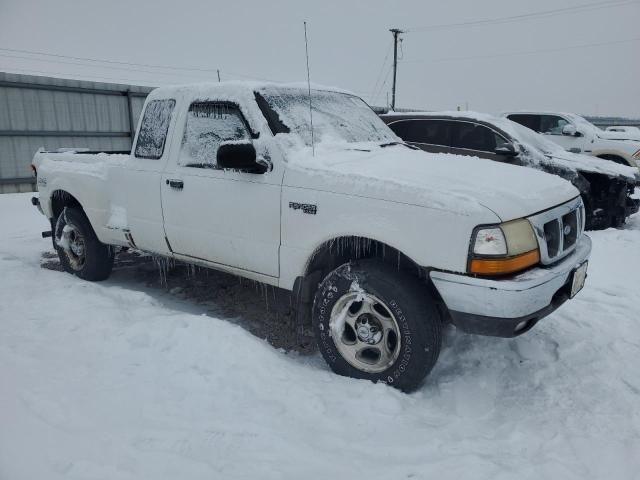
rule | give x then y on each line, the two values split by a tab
502	249
490	241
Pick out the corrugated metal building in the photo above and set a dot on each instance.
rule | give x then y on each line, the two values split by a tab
54	113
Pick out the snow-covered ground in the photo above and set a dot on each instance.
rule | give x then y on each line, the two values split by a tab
101	381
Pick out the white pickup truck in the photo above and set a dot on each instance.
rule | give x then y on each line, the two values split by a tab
629	131
578	135
379	243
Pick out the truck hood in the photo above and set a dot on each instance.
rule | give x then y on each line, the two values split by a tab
618	135
463	185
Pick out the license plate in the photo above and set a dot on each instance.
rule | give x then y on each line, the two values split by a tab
579	276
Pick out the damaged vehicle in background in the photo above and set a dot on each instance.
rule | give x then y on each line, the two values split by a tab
576	134
606	187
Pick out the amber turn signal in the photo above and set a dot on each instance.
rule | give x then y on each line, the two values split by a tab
502	266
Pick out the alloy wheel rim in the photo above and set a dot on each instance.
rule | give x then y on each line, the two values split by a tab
74	247
365	332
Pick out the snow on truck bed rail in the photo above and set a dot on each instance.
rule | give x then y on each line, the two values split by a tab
95	165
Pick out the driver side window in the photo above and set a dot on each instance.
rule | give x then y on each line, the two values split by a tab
552	125
208	125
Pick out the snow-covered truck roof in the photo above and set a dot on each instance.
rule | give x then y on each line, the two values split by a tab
235	89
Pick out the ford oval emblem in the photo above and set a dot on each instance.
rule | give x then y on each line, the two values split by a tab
567	229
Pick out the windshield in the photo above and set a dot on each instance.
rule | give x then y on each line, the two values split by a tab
337	117
534	139
579	121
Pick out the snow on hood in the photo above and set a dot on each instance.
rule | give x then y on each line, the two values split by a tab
540	152
463	185
609	135
586	126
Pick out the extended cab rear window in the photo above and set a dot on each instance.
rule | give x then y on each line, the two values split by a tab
153	129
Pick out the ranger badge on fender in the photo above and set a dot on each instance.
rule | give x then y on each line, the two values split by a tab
305	207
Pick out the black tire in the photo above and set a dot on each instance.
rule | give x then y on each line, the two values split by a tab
405	298
97	261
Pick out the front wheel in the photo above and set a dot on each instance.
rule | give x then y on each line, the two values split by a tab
78	247
376	323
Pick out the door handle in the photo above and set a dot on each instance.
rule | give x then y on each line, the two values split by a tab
177	184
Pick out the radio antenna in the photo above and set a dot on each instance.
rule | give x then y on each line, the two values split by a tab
306	48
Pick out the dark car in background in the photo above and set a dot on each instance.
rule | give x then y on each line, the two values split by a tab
606	187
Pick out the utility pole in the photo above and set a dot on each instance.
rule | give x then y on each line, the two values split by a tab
396	34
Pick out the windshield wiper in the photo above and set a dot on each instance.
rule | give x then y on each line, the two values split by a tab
390	144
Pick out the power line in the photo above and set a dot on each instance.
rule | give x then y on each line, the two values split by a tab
110	62
526	16
379	76
128	65
526	52
105	78
62	62
90	78
384	84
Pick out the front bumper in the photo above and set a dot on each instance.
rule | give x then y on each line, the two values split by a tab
509	307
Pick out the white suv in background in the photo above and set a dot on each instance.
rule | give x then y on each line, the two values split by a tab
577	135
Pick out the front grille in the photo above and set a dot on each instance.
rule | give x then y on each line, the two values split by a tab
561	233
570	229
552	237
558	230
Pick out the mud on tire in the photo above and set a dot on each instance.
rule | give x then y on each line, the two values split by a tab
79	250
356	309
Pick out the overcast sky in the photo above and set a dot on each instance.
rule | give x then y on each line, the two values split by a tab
584	60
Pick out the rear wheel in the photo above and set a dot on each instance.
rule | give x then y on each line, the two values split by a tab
375	323
79	250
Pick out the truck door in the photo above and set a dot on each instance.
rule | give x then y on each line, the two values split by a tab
553	126
143	174
226	217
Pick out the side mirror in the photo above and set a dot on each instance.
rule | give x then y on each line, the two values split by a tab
570	131
240	156
506	149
